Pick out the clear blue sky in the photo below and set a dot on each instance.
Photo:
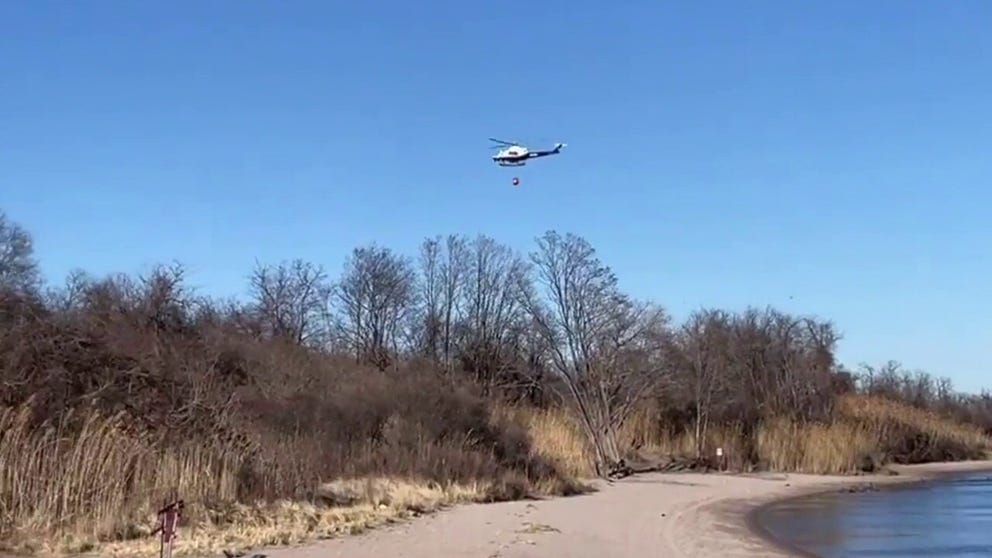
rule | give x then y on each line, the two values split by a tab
831	158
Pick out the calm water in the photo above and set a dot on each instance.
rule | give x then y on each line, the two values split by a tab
940	519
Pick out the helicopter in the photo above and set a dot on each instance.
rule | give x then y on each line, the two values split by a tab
513	154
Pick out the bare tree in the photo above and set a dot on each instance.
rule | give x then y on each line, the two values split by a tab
799	374
431	292
453	268
605	347
377	292
18	267
492	308
291	300
704	340
945	396
530	375
163	298
781	365
443	264
70	295
885	380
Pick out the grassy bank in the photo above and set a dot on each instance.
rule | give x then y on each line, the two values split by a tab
863	434
90	483
68	491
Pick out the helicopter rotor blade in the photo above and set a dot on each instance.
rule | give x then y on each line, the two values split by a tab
500	141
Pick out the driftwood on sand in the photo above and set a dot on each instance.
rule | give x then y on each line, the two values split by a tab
665	464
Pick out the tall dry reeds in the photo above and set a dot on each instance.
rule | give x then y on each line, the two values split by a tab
90	481
88	478
555	436
863	434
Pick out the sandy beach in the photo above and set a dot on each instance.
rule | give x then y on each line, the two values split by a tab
671	515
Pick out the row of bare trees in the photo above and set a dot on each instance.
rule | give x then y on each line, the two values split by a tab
746	367
548	327
478	307
925	391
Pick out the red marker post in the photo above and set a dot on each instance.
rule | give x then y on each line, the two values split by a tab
168	527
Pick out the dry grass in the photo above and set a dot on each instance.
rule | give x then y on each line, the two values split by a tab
556	437
370	503
90	484
864	433
838	447
884	414
867	432
66	489
665	440
87	483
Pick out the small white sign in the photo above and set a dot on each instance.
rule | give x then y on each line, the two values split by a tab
719	452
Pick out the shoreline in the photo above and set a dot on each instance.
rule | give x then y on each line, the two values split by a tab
906	477
697	515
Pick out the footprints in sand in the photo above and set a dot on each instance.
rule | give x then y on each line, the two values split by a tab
526	528
537	528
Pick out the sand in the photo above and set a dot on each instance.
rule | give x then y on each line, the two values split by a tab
669	515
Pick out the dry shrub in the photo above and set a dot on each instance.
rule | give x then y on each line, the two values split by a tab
73	493
410	423
132	398
89	478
